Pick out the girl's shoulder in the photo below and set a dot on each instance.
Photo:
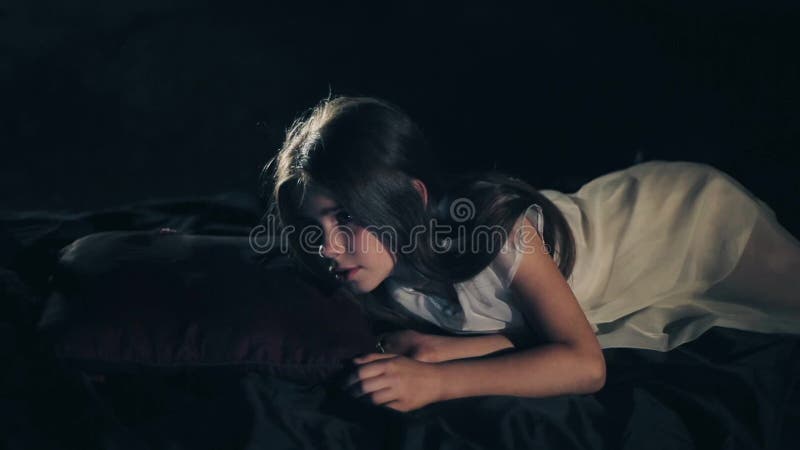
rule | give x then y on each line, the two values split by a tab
518	241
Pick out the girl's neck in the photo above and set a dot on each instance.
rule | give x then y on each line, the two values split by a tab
407	277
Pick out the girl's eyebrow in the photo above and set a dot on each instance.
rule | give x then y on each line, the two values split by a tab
324	211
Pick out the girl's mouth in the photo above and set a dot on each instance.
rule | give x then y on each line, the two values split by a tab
348	274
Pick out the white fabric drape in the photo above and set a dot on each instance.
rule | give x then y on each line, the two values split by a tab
655	238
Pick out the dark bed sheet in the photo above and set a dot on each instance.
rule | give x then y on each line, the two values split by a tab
729	389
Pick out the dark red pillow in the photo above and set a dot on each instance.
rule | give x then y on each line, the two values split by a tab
147	301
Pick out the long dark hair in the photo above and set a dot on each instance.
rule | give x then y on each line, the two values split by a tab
366	151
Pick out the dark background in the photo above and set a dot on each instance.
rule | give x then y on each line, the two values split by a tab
104	103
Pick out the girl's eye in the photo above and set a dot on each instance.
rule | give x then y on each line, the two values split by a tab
343	218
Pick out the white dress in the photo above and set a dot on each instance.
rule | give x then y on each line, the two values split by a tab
651	241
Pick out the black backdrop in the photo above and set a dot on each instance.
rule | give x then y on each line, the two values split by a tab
103	103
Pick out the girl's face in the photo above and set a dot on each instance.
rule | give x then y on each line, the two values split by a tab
349	245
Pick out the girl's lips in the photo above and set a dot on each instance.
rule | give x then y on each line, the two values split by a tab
348	274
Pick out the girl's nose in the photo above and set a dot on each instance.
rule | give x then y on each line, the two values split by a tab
329	251
337	241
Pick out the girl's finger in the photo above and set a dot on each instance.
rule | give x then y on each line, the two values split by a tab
384	396
391	404
363	372
373	357
369	386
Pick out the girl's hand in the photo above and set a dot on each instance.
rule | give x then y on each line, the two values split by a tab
415	345
394	381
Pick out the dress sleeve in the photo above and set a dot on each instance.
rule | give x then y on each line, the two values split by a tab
519	242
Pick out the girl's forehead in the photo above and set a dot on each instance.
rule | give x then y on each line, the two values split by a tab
317	202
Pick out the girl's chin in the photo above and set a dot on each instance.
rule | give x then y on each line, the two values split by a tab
359	287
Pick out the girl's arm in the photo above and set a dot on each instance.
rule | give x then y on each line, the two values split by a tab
458	347
438	348
572	360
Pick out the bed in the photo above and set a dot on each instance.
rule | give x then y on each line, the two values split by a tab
98	375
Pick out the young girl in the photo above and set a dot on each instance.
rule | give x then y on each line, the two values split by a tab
646	257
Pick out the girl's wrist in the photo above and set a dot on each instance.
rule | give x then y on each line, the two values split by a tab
459	347
439	380
444	349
